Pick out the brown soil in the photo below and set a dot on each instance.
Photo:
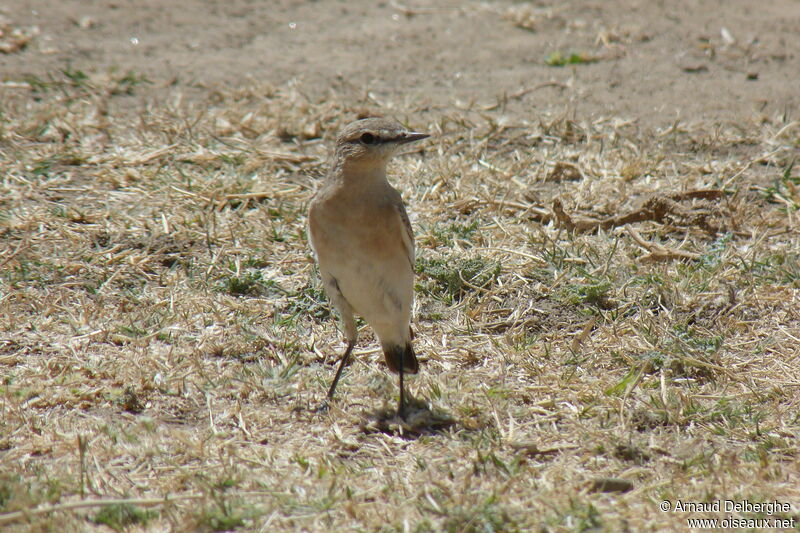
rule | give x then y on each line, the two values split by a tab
653	62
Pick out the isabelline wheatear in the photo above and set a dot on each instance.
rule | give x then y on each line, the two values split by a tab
364	244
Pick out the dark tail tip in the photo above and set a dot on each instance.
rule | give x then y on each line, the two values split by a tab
395	354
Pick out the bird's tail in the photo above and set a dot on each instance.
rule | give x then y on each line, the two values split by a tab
396	353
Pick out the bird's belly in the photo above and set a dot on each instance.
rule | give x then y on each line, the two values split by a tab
375	286
376	280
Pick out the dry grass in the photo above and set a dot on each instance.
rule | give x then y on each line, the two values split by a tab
163	332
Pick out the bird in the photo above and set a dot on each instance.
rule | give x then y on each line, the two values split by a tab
362	238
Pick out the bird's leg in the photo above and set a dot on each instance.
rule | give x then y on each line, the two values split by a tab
401	409
342	364
339	370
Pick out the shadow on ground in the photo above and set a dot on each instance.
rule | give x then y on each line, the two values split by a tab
420	420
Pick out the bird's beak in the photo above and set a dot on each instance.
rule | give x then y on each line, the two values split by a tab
411	136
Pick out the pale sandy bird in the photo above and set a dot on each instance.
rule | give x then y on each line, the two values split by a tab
364	244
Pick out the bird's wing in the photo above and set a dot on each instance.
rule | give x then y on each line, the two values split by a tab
408	233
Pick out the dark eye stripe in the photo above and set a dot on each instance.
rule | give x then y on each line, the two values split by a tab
371	139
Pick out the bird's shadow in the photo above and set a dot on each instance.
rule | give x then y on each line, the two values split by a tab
420	420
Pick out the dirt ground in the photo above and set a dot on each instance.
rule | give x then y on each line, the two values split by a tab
653	62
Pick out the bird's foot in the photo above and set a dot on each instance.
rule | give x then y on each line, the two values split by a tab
322	408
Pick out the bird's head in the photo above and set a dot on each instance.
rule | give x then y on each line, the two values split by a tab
372	141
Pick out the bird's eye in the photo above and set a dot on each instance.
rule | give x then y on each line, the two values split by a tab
367	138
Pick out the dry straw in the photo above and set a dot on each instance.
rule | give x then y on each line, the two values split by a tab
606	319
